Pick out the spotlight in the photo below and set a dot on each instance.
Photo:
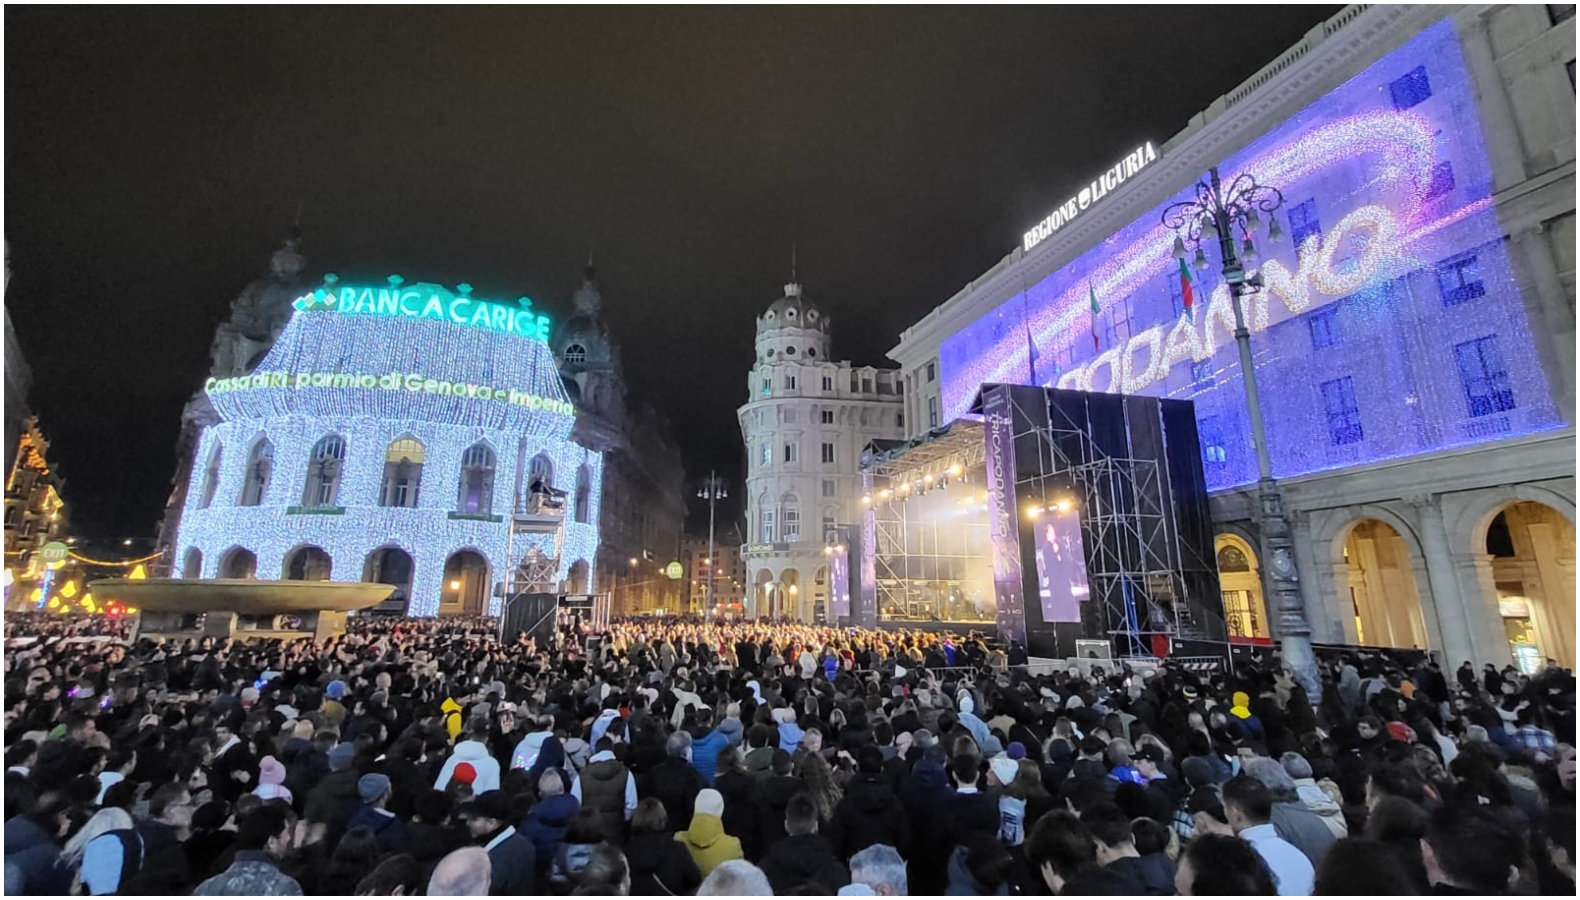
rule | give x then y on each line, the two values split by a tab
1063	505
1033	512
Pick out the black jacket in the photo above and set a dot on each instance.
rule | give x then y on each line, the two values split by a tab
801	860
868	814
1154	872
675	783
741	810
773	797
389	830
515	867
661	866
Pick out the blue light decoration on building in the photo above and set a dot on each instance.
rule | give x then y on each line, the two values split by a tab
470	374
1391	325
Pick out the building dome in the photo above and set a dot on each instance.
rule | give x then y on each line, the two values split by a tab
792	329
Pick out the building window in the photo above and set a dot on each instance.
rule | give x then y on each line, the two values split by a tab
932	372
765	520
829	527
829	487
828	453
1303	222
768	455
866	384
899	420
1210	431
1232	559
1442	181
12	512
1485	378
828	382
540	472
1410	88
1560	12
1344	414
210	478
477	481
768	385
583	504
1459	280
402	473
932	412
790	512
323	471
260	463
1324	326
827	417
791	454
1201	372
575	354
789	382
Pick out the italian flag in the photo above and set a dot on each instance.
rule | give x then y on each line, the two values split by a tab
1096	311
1187	292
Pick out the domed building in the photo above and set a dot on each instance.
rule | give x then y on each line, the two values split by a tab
805	422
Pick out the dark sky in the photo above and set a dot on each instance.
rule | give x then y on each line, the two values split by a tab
154	159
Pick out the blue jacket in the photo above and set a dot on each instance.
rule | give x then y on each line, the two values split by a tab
790	735
705	754
33	853
545	825
386	827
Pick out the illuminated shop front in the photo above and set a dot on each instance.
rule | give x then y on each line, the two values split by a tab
1393	341
393	434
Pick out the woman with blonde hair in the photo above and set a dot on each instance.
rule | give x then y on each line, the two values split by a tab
94	854
818	780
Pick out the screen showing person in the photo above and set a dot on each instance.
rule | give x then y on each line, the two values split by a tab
1061	564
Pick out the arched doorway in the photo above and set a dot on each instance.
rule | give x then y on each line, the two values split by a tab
576	577
822	601
465	587
390	565
1378	586
1240	581
760	602
307	564
192	564
791	596
238	562
1532	547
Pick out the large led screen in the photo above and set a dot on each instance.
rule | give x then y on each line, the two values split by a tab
1061	564
1391	324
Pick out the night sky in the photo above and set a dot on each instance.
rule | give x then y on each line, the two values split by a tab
155	158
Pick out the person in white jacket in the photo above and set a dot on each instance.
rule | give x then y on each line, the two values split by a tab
473	751
527	749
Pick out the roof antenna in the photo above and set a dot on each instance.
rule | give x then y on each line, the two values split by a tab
793	289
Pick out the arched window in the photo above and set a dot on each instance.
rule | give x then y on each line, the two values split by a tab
307	564
323	472
1232	559
576	354
260	464
790	515
477	480
402	473
210	478
765	519
192	564
541	469
583	495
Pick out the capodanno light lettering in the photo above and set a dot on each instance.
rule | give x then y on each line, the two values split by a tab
1111	178
392	381
428	301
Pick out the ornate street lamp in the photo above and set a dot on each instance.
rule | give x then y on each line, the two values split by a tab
713	490
1217	211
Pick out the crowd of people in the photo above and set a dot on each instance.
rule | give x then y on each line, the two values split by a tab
684	757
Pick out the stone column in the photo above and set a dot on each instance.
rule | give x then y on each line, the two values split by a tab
1556	613
1429	613
1478	595
1375	618
1444	586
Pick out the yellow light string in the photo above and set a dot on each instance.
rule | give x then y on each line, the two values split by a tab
126	563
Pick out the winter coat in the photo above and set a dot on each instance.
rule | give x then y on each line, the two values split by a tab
708	844
741	810
1303	828
513	864
733	730
868	814
675	784
1317	800
525	756
546	824
452	717
963	884
801	860
705	754
771	803
1155	873
32	851
476	753
660	866
389	830
603	787
253	874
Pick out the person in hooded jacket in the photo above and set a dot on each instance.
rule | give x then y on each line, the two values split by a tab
531	745
803	860
980	868
475	751
546	825
660	866
772	799
925	799
869	812
1116	851
372	814
739	790
706	839
430	834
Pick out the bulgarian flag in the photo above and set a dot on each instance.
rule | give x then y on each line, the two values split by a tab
1096	311
1187	292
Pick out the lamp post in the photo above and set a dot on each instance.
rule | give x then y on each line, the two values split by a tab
713	490
1216	211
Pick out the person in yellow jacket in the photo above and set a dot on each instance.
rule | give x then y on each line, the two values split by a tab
452	717
705	839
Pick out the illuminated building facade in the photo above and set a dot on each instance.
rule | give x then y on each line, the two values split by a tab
393	434
34	512
805	423
1414	342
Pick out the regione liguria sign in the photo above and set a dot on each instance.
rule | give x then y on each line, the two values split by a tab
1111	178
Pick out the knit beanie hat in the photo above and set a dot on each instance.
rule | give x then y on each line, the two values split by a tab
271	771
1004	769
709	802
341	757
